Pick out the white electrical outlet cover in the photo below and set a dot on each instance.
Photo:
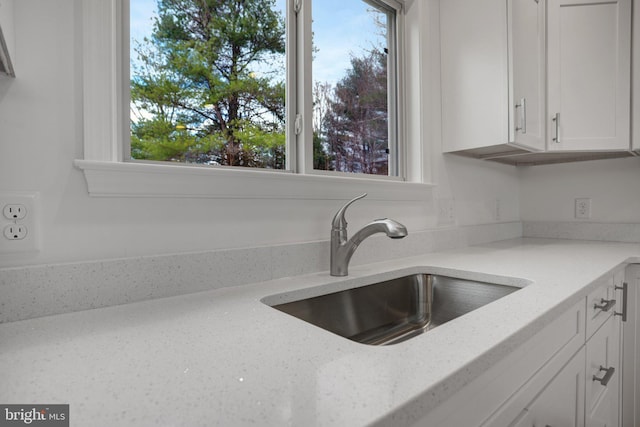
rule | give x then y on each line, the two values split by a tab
19	223
583	208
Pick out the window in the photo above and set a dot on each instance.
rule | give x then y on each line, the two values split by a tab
354	87
210	85
208	82
110	172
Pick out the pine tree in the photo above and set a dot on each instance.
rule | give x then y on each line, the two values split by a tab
209	85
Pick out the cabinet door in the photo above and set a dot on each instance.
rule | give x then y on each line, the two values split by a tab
557	388
474	74
603	392
630	376
561	403
526	71
589	49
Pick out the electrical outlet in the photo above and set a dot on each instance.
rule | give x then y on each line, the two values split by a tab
446	211
19	222
14	212
583	208
15	232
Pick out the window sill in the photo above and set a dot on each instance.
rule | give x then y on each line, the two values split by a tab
120	179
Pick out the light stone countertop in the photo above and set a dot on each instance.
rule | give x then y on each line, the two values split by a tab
223	357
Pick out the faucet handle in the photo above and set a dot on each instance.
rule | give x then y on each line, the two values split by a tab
339	222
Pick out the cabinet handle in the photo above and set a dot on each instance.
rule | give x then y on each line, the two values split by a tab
607	376
556	119
523	115
624	288
605	305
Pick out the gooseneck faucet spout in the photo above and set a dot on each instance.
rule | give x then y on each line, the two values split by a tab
342	248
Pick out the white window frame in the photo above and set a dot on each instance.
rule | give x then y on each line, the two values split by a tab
106	128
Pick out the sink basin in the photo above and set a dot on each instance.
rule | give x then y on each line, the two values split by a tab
395	310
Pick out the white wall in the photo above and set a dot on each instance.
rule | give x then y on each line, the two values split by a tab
41	135
548	192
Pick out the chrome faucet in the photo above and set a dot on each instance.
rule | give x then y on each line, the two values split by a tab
342	248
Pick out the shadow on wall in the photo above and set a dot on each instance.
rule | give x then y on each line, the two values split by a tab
5	85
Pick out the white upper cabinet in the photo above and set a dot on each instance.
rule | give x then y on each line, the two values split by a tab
474	74
491	60
527	73
528	82
589	54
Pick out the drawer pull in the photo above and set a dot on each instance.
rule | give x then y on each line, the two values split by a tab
607	376
624	288
605	305
556	119
523	115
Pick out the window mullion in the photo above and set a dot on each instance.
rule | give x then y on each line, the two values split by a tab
291	102
393	81
303	84
103	79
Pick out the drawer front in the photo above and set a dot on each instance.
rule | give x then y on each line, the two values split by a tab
601	304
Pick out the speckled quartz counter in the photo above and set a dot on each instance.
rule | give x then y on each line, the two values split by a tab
225	358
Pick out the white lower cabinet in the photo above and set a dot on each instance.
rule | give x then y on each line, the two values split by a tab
553	397
630	374
586	391
499	395
573	398
561	402
603	376
563	376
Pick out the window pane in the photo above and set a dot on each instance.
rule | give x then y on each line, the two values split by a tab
208	82
350	86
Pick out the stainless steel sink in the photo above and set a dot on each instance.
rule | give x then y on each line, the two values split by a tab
395	310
